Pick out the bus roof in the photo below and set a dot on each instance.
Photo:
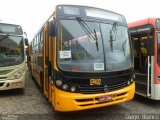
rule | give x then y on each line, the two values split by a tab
143	22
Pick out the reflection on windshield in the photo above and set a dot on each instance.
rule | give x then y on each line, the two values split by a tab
78	50
11	50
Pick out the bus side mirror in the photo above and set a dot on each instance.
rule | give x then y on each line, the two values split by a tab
52	30
26	42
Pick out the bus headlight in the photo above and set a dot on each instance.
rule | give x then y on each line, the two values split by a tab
73	88
65	86
58	82
130	81
16	75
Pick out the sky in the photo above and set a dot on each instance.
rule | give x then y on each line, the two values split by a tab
32	14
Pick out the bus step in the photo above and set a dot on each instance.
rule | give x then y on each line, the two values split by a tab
139	73
142	93
140	82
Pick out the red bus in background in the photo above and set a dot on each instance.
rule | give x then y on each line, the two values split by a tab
145	35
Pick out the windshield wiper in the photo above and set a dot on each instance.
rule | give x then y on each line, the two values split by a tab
88	30
96	39
123	47
4	37
85	27
113	34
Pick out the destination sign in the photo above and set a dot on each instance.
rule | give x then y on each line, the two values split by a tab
10	29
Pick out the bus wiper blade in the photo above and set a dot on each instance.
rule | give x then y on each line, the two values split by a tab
123	47
111	41
96	39
86	28
88	31
113	33
5	36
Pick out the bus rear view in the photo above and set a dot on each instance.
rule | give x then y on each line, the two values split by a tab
12	57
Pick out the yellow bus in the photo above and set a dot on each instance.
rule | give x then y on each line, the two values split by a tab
81	58
12	56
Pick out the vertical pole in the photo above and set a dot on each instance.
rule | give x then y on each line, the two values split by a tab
149	63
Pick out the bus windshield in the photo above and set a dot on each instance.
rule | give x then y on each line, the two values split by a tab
92	46
11	50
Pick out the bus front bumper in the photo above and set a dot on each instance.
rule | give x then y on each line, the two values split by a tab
65	101
12	84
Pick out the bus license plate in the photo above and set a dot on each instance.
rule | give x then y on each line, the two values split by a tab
16	84
105	98
95	81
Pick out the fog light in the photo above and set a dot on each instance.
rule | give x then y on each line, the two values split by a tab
59	82
73	88
65	86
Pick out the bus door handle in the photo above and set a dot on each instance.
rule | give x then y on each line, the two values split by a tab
148	76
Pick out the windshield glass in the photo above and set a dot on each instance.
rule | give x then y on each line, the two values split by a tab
88	47
11	50
117	47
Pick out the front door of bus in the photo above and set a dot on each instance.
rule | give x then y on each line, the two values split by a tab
46	62
143	60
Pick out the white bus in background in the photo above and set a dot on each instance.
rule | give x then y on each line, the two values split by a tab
12	56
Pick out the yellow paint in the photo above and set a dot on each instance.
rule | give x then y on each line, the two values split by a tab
65	101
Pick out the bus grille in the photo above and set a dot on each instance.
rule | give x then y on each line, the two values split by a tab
1	84
101	89
3	72
1	78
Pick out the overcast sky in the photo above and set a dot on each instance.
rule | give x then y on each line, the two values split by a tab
31	14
